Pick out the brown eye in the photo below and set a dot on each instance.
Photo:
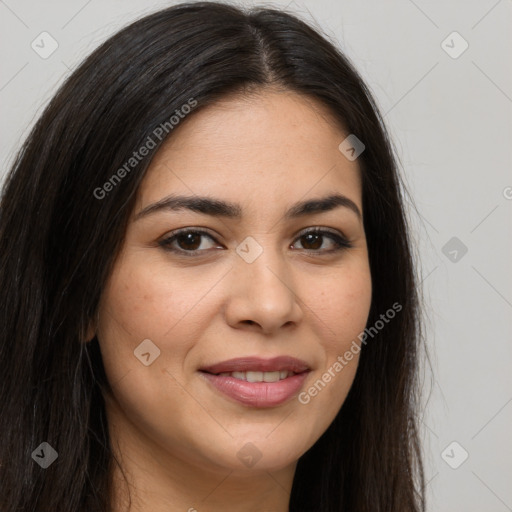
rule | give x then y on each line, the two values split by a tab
189	242
314	239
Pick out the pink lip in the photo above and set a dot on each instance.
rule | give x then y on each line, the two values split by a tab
257	394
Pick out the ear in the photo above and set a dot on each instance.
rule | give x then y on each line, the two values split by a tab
91	332
91	329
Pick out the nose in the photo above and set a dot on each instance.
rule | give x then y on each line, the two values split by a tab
263	294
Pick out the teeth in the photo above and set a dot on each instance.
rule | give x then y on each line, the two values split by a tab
254	376
271	376
259	376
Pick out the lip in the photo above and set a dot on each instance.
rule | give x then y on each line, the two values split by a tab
257	394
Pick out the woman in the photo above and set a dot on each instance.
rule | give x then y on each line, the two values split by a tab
209	300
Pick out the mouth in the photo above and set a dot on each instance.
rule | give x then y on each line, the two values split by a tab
257	382
256	376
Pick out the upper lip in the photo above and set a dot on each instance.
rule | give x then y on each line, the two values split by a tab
258	364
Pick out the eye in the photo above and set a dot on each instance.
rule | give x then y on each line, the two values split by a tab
189	241
313	240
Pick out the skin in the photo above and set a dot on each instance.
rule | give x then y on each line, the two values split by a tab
175	436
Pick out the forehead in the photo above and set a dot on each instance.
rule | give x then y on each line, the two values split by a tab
271	145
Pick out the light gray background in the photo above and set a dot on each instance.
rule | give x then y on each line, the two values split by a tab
451	122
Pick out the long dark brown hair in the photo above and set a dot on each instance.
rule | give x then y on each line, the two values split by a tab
58	242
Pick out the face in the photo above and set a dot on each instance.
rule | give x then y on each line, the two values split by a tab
223	342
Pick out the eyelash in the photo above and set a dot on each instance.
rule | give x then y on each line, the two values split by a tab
341	242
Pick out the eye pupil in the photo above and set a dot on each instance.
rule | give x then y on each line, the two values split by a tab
312	238
190	238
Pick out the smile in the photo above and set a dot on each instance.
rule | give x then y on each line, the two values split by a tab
259	376
257	382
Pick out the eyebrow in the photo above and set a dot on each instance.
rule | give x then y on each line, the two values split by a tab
220	208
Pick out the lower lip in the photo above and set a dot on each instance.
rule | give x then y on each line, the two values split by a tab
257	394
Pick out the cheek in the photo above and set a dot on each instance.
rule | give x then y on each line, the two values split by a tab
140	303
345	305
144	300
